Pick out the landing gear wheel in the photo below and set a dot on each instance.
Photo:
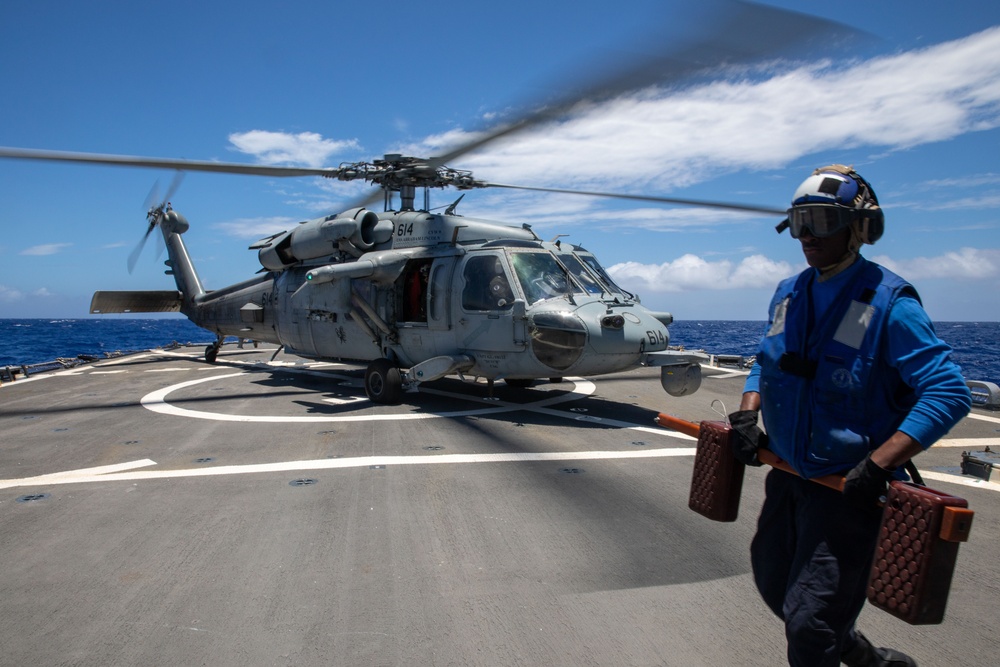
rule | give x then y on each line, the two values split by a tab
212	351
519	383
383	382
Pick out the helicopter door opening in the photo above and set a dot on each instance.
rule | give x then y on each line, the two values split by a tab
485	314
415	294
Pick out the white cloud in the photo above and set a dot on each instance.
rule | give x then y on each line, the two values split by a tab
963	264
46	249
306	148
971	181
10	295
665	140
986	201
691	272
661	141
256	228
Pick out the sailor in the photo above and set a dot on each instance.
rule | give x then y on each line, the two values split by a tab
851	379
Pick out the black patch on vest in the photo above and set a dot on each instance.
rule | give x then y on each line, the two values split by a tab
793	364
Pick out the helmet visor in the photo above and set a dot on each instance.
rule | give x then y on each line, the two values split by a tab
819	220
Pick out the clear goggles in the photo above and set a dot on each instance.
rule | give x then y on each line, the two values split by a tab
820	220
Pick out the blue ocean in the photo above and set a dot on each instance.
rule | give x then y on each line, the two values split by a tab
27	342
976	344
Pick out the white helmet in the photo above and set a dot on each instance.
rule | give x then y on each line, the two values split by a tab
832	198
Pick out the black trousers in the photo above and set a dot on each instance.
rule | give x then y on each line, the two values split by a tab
811	559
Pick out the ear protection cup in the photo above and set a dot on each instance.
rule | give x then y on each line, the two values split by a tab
871	222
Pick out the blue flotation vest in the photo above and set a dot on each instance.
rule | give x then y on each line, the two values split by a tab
828	397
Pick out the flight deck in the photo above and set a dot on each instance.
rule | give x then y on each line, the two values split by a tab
157	509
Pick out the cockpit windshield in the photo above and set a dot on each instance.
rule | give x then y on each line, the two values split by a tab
587	279
541	276
596	267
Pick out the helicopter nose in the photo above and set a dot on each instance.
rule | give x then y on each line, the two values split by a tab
558	339
599	339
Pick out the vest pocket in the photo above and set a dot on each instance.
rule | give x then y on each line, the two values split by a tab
840	413
830	445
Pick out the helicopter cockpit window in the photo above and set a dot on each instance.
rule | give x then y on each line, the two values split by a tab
596	267
486	284
541	276
580	272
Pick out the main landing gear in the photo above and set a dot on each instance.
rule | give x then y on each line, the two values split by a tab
383	382
212	351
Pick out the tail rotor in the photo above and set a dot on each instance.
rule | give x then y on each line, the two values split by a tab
156	208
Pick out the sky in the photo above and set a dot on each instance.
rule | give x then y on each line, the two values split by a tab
912	101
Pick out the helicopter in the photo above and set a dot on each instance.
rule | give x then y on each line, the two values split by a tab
416	295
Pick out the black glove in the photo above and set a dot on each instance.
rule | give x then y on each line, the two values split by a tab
747	436
867	483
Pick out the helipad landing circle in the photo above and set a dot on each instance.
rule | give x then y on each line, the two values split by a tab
156	401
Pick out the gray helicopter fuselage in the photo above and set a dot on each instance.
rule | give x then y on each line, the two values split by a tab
429	292
439	285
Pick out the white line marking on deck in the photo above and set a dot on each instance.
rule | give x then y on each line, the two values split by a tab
968	443
106	474
984	418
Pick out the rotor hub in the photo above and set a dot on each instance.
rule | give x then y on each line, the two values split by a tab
404	174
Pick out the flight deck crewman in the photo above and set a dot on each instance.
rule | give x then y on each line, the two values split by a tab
850	379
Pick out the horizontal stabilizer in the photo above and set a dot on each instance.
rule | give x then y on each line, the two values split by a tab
166	301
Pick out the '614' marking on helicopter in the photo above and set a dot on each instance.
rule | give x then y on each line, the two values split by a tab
656	337
407	235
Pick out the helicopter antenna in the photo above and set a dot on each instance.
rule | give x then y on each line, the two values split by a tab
451	209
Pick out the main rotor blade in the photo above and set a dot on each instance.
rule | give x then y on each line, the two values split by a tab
653	198
744	34
165	163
